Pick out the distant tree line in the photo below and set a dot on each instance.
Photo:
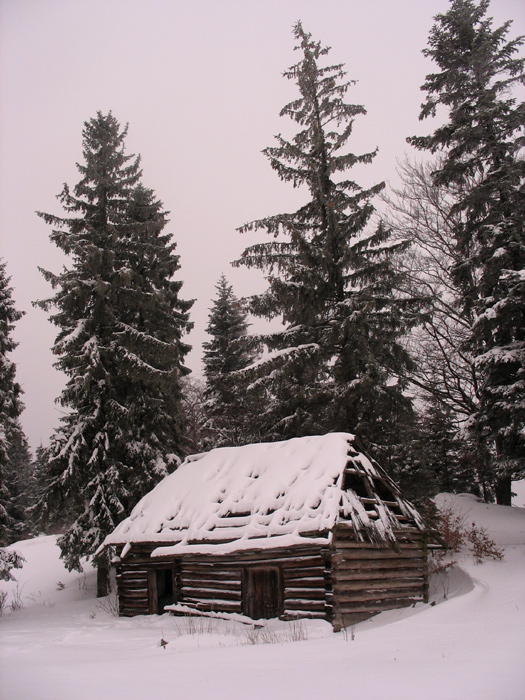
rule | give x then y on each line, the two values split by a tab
406	328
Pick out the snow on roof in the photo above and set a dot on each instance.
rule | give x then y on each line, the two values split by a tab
266	495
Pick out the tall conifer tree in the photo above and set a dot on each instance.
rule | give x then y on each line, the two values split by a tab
121	322
482	143
20	483
11	407
333	367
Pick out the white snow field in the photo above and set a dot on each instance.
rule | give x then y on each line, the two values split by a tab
64	644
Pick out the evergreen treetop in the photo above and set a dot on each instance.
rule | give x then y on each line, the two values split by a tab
227	352
227	323
330	279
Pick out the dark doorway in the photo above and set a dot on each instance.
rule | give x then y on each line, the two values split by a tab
162	590
261	592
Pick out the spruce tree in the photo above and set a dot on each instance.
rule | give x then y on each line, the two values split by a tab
11	432
446	451
20	483
331	279
121	322
225	355
11	405
481	143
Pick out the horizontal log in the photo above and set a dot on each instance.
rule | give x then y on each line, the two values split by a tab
141	576
217	573
145	560
344	545
121	580
134	600
197	582
407	550
261	558
210	574
376	607
380	574
366	554
217	605
132	565
136	552
306	582
121	594
299	554
367	567
198	600
133	583
377	583
132	593
299	604
210	593
141	607
306	593
378	596
303	615
302	572
258	547
232	568
341	588
205	567
348	569
376	575
133	573
124	589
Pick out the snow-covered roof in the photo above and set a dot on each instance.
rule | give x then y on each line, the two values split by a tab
267	495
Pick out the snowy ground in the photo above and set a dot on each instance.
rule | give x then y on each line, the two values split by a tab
65	644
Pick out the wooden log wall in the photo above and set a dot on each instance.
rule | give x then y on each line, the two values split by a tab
346	584
367	579
214	583
134	582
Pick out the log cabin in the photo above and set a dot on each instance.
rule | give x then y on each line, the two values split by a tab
308	527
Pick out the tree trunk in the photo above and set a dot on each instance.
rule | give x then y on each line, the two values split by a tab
504	491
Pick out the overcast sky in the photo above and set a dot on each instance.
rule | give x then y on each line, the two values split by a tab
200	84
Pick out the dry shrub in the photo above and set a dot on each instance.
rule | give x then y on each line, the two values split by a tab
481	545
455	535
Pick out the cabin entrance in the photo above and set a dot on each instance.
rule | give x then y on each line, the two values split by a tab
261	592
162	589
